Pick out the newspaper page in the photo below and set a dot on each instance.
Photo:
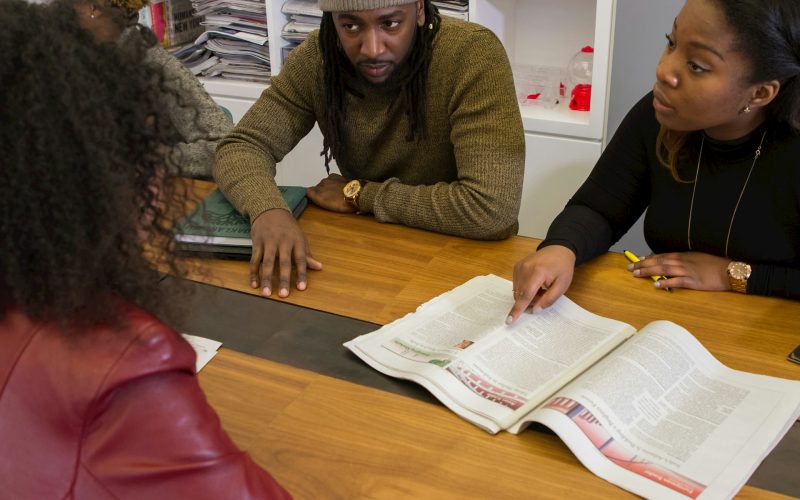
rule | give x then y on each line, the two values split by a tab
458	347
663	418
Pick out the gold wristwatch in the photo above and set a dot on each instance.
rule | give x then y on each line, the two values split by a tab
351	190
738	274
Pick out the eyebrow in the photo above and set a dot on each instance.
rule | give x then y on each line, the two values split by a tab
699	45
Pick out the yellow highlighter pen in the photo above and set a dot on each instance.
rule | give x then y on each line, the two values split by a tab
634	259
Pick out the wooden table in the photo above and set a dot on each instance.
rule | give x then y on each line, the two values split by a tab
326	438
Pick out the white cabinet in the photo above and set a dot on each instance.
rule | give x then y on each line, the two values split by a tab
236	96
554	168
562	145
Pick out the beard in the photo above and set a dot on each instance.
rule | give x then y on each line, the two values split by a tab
390	84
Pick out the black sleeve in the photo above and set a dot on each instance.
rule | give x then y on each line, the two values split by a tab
778	281
615	194
782	279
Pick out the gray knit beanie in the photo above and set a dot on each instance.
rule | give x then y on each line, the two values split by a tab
352	5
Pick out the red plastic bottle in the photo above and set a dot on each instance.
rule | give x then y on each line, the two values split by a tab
579	77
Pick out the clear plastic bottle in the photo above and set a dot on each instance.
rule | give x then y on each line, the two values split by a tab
579	79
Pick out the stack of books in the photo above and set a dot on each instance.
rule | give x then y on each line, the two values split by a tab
174	22
216	229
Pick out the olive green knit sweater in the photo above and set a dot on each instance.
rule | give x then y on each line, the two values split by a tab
463	178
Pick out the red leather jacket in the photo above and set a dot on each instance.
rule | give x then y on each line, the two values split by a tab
112	413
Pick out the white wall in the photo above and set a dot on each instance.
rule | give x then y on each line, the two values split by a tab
638	41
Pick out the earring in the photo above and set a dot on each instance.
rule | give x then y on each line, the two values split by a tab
746	109
92	16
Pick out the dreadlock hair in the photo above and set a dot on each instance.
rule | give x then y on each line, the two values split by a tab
337	68
772	47
84	197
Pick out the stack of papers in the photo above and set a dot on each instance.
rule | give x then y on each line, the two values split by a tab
235	44
197	59
453	8
304	17
252	8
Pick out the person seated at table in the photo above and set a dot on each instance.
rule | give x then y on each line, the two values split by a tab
711	153
418	111
98	398
200	121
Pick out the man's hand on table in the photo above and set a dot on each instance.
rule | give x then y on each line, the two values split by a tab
328	194
277	237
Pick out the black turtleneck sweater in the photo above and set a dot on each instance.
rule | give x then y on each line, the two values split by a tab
628	179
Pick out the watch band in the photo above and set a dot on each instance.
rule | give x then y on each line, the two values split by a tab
738	285
738	274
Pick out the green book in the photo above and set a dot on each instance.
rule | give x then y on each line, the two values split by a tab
215	227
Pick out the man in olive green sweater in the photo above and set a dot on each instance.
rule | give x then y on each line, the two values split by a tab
419	113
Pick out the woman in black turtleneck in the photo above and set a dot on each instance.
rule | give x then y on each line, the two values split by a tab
712	154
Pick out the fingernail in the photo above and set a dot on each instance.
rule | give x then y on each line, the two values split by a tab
301	285
283	292
636	272
254	284
537	309
509	319
630	267
266	291
657	284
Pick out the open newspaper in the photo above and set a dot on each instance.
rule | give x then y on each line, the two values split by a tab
652	412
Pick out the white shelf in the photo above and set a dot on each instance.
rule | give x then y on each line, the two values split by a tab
549	33
233	88
276	20
533	32
559	120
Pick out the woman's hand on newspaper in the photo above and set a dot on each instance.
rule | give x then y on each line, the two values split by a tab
540	279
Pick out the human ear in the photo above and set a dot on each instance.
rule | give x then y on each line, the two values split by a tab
85	10
764	93
420	13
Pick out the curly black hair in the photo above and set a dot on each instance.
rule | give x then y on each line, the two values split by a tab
83	181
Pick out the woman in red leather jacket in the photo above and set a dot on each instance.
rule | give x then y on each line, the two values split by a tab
98	398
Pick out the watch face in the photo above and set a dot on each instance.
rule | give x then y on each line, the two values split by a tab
351	189
739	271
